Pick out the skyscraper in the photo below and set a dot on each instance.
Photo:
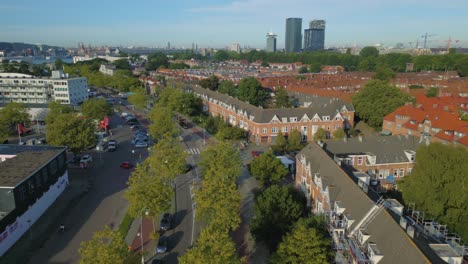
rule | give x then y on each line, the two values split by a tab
293	37
314	37
271	42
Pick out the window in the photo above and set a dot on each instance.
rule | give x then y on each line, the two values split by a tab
395	172
284	119
274	130
284	129
402	172
264	130
398	126
337	118
410	170
326	118
359	160
293	119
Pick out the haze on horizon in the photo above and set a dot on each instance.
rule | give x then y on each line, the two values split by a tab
211	23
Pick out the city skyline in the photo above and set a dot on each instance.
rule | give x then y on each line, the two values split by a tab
218	24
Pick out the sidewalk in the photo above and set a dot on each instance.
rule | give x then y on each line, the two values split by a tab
49	222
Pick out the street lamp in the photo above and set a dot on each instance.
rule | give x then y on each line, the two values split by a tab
133	155
141	234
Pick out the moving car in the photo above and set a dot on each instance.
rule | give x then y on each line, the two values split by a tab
162	245
86	159
126	165
166	222
112	145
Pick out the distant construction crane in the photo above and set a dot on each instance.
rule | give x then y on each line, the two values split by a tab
425	36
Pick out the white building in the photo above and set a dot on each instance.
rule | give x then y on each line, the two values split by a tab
107	69
23	88
235	47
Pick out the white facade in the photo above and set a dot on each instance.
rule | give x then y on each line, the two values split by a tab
107	69
14	231
28	89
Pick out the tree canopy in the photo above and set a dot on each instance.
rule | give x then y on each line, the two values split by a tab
70	130
213	246
438	185
105	247
162	123
376	100
10	116
321	134
275	210
280	145
250	90
221	160
369	52
211	83
282	98
156	60
96	108
139	98
294	140
227	87
147	191
122	64
307	243
339	134
267	169
167	158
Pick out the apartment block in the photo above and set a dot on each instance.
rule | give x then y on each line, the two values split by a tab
263	125
23	88
362	230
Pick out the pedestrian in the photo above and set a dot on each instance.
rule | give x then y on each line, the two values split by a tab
62	228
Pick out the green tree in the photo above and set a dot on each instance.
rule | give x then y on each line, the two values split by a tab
211	83
213	246
221	160
148	192
383	73
56	109
10	116
280	145
227	87
315	67
275	210
96	108
167	158
156	60
462	66
106	247
282	98
218	203
369	52
321	134
436	185
58	64
339	133
294	140
221	55
162	123
307	243
72	131
268	169
432	92
139	98
227	132
303	69
250	90
376	100
265	64
122	64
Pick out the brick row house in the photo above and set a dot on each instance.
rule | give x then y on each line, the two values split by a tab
362	231
263	125
437	119
385	159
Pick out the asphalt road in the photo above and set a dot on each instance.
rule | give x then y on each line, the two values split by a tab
104	203
183	234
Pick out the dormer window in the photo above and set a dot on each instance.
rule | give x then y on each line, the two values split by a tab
284	119
326	118
293	119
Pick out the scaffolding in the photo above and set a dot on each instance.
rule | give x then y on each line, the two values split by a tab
438	232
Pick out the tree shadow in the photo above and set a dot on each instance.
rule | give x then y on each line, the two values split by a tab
178	217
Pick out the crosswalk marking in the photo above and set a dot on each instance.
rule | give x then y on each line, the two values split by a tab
193	151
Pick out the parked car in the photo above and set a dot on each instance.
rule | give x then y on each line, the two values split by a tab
162	245
140	144
256	153
101	146
126	165
112	145
166	222
86	159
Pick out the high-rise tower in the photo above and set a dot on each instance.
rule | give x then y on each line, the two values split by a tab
271	42
293	37
314	37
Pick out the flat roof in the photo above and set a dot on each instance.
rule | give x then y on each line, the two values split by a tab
28	160
444	250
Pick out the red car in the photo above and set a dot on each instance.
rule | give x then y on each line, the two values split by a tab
126	165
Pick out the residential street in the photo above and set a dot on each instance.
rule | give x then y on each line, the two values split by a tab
104	203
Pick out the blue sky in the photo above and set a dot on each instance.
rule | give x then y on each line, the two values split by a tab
217	24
